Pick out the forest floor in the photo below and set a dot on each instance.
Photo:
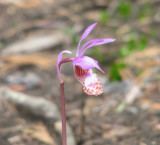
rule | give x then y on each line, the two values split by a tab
32	33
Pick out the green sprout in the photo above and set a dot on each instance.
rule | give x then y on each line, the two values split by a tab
134	44
146	10
124	9
104	17
115	69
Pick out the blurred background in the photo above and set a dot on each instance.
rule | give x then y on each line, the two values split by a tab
34	32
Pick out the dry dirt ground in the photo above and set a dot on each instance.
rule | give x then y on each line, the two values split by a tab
127	113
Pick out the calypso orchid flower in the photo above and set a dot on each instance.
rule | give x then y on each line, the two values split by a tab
83	70
83	65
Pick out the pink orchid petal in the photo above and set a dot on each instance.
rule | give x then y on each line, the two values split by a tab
84	35
92	85
59	59
87	43
81	73
86	62
88	30
100	42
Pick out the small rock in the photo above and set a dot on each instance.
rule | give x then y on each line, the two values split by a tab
14	139
30	80
133	110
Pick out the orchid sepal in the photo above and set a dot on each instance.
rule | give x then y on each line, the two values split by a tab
59	59
84	35
86	62
96	43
